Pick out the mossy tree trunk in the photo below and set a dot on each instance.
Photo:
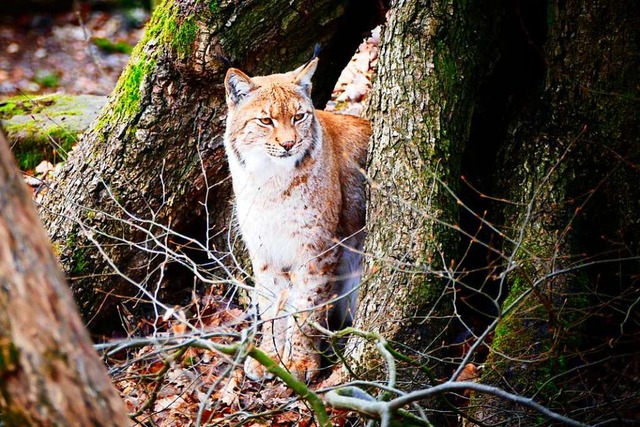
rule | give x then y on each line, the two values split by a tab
433	55
49	372
140	168
570	162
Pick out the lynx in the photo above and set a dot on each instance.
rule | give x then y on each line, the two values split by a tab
300	207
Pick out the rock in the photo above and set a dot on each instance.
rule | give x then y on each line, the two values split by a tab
46	127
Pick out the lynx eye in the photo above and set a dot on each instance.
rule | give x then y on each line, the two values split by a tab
266	121
298	117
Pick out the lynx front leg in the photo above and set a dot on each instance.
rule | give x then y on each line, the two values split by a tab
270	297
312	289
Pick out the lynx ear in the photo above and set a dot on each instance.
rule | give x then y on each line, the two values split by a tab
238	86
302	75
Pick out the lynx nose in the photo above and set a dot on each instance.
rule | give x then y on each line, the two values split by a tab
287	145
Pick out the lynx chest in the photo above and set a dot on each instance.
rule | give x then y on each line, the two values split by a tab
285	220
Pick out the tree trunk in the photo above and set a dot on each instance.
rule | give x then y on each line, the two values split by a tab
154	162
49	372
432	58
570	162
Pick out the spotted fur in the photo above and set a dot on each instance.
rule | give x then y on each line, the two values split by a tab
300	206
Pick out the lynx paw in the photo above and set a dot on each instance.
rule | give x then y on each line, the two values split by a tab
304	368
255	371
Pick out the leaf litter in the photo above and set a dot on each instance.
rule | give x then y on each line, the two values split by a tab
202	383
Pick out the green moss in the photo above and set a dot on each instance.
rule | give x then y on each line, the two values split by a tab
506	341
129	86
79	259
184	35
10	109
164	28
426	292
79	262
39	137
289	19
163	15
189	361
445	66
518	286
39	143
23	104
47	79
107	45
528	334
52	105
544	382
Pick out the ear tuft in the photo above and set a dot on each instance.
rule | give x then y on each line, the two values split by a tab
238	85
302	75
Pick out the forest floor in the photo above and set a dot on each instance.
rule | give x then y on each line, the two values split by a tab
80	52
84	53
170	381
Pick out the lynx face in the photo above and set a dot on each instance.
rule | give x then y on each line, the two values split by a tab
273	123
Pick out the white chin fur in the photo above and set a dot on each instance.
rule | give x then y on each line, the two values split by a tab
265	164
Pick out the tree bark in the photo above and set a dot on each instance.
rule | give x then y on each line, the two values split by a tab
433	56
154	159
49	372
570	162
